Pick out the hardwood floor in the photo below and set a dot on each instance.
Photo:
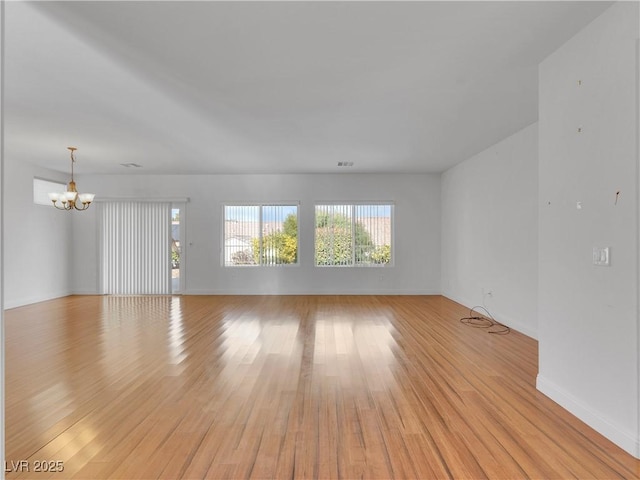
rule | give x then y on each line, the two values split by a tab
282	387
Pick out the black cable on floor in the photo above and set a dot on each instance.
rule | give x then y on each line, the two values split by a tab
482	321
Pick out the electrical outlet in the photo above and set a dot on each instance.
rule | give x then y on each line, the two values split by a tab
601	256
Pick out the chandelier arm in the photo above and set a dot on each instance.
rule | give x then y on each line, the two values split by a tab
64	207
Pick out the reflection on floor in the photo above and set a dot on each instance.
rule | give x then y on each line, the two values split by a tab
282	387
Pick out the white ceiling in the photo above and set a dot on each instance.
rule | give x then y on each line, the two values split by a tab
274	87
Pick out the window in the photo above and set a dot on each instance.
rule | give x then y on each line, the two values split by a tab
353	235
260	235
42	188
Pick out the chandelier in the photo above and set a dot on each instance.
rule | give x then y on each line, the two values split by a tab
71	199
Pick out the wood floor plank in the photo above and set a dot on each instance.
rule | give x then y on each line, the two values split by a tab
286	387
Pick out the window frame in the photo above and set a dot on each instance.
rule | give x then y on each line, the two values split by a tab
353	206
260	206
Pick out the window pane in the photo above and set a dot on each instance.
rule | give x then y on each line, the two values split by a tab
241	235
176	250
42	189
279	235
334	239
373	234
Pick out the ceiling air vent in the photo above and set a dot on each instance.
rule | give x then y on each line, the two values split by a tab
345	164
131	165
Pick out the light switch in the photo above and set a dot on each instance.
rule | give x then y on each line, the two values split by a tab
601	256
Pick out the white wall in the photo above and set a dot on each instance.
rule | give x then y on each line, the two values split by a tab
37	239
2	190
588	315
416	267
490	231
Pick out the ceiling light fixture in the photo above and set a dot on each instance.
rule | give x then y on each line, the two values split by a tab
69	199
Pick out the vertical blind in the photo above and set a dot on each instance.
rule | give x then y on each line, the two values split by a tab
136	248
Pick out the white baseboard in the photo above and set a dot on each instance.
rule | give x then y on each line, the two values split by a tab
315	292
10	303
497	315
85	292
230	291
623	438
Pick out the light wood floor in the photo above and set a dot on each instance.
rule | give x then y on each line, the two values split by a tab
283	387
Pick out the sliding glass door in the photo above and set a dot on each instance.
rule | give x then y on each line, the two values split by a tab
136	248
177	248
